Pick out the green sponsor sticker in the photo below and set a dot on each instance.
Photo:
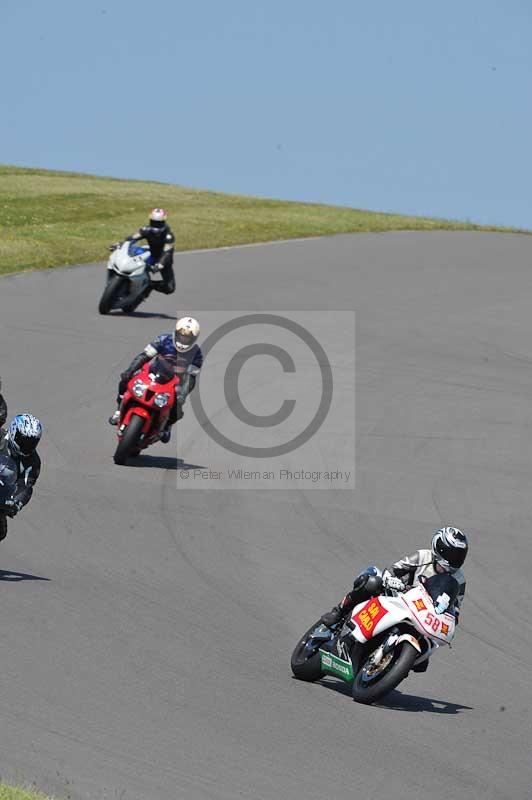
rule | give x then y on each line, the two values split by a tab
336	666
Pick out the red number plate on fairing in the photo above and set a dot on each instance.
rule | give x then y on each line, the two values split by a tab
369	616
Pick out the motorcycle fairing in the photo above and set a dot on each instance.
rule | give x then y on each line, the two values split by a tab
140	411
369	616
334	665
415	605
128	265
376	615
437	626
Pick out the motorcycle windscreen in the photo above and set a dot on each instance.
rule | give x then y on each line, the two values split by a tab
161	371
136	250
442	584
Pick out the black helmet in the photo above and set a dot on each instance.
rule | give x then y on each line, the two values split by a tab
449	548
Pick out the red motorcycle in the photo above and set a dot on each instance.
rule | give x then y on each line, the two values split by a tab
146	406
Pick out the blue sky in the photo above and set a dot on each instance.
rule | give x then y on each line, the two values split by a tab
416	107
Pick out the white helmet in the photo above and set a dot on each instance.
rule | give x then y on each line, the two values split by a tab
158	217
186	332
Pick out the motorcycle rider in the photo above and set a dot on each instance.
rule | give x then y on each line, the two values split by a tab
161	241
181	350
19	441
3	406
447	554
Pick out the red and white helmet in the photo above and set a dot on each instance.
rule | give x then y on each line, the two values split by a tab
158	217
186	332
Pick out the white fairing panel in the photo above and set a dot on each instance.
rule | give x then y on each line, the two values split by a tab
133	266
425	618
380	613
377	615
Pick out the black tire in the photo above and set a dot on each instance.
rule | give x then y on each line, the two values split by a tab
110	294
128	444
399	668
140	299
131	307
306	665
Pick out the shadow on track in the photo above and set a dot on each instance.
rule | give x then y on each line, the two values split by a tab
148	315
397	701
14	577
161	462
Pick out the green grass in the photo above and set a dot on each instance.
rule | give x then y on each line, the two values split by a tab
18	793
51	218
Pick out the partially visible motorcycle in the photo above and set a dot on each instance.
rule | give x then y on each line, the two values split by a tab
3	406
384	638
146	406
8	485
128	278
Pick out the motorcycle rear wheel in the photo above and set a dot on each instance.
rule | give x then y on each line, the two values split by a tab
128	444
367	691
306	663
110	294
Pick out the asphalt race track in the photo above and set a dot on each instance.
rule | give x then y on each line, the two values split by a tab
146	631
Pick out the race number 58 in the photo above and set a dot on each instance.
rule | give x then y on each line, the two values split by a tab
432	621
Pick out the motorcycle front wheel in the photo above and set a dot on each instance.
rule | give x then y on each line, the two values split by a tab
128	446
374	681
111	293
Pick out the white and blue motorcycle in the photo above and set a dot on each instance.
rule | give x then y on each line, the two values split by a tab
128	278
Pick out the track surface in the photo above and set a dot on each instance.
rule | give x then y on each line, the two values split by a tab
145	640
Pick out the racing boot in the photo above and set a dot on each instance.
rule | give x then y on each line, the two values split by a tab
333	616
339	612
166	434
114	418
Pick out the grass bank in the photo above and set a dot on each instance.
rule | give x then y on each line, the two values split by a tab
52	218
18	793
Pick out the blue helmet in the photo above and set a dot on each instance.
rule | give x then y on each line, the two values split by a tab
24	434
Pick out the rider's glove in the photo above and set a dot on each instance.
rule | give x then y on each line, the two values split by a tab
442	603
389	581
156	267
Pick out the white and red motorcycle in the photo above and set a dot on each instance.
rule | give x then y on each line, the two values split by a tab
382	640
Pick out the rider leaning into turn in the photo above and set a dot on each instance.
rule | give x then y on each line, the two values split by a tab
181	350
447	554
161	241
19	441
